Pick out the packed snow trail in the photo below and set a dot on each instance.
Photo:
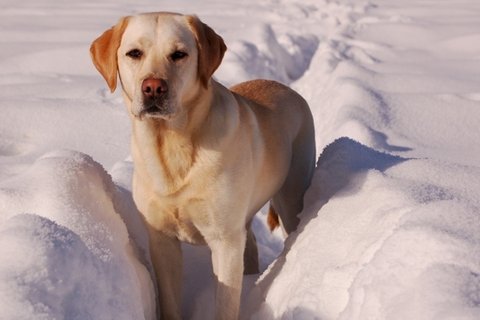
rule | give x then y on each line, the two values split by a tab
390	228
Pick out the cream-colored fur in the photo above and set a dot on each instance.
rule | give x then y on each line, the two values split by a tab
206	158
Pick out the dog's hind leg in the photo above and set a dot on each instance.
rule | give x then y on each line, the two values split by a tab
250	257
288	201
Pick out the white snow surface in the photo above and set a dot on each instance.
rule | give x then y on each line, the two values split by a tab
391	224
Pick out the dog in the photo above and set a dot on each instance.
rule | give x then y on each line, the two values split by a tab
206	158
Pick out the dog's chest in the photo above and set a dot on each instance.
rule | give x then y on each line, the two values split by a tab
177	218
176	195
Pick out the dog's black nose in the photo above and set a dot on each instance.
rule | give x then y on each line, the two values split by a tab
153	88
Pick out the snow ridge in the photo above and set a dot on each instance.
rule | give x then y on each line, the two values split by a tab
88	270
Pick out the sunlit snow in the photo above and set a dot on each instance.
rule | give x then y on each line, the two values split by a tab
391	224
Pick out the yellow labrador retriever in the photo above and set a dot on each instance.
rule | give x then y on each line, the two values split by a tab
206	158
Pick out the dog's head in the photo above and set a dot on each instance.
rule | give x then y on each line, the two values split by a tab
163	61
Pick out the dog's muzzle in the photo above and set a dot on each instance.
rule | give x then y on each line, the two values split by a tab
155	98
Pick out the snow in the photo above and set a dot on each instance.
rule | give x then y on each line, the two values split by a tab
391	224
65	247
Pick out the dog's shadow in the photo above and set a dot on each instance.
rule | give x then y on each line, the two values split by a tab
341	171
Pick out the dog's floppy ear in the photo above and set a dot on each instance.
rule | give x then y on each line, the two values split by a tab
211	49
104	52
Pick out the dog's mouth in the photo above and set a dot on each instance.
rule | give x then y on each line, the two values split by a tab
156	108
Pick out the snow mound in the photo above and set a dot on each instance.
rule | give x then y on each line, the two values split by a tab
267	56
66	252
348	260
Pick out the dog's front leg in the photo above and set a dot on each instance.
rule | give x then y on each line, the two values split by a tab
166	253
227	260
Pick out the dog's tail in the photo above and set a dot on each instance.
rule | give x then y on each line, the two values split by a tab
272	219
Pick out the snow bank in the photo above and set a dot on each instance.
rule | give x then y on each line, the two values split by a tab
66	252
378	241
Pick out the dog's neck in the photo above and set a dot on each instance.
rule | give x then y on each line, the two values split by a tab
168	149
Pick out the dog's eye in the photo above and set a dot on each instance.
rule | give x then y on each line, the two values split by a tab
135	54
178	55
